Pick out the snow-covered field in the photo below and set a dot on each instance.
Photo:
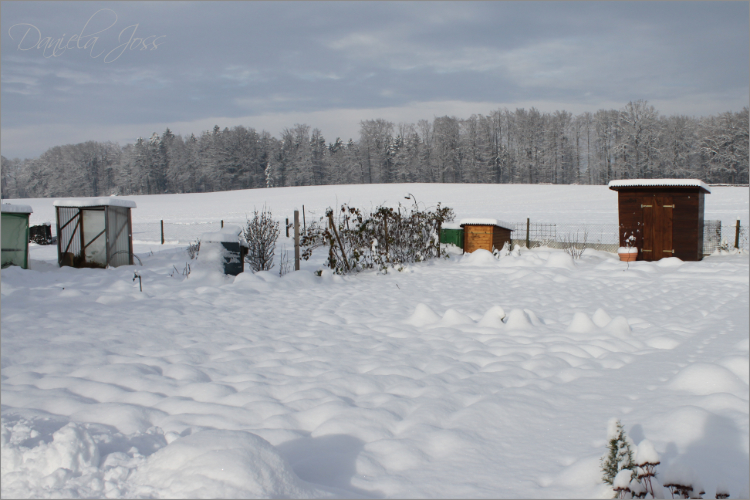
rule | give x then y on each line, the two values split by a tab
401	385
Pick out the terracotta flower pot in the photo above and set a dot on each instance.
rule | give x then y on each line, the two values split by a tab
627	257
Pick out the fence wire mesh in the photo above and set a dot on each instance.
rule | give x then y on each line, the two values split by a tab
603	237
175	232
721	237
606	237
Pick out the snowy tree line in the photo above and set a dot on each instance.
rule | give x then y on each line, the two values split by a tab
521	146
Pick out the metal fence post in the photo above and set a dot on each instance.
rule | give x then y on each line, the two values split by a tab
737	235
296	240
162	232
528	223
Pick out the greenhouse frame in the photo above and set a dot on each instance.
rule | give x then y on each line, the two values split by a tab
94	232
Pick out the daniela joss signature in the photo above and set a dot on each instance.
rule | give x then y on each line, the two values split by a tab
30	37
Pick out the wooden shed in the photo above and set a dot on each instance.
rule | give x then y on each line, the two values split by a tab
664	215
15	235
94	232
488	234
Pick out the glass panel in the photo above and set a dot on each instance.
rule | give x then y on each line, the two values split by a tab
93	224
117	228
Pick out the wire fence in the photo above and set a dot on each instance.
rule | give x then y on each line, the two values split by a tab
721	237
604	237
182	233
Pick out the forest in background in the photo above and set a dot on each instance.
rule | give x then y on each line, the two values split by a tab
521	146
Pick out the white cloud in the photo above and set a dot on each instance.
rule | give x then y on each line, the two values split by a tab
241	74
78	77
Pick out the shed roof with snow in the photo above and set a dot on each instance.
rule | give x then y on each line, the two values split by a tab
628	183
16	209
108	201
485	222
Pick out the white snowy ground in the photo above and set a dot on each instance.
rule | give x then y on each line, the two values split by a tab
400	385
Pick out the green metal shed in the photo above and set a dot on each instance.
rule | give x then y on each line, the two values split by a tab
452	236
15	235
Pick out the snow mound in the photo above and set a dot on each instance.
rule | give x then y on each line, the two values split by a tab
493	318
71	448
622	479
40	470
679	474
704	379
423	316
560	260
518	320
210	259
670	262
601	318
619	327
664	343
646	453
453	317
581	324
479	257
220	464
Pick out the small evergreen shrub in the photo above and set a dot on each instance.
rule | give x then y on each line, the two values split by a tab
619	454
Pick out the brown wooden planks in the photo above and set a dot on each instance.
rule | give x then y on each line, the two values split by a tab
686	225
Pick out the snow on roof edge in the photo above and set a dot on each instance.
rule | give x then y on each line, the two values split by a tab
94	202
659	182
9	208
486	222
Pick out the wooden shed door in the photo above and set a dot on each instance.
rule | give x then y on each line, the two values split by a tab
657	227
477	237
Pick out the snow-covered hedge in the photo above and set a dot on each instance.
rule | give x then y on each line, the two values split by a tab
387	237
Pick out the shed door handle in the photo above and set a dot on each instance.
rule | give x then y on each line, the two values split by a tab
646	206
644	250
668	206
668	251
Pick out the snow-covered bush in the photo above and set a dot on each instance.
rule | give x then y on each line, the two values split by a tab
722	491
621	483
261	233
646	458
503	252
571	246
193	249
682	481
619	454
382	239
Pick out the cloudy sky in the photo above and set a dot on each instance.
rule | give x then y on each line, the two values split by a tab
77	71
